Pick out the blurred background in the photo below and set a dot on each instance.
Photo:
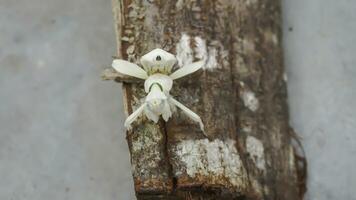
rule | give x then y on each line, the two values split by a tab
61	126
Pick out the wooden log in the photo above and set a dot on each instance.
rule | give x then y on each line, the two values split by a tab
240	95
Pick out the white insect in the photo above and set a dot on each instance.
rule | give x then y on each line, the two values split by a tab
157	68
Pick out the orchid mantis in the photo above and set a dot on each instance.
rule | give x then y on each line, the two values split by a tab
158	76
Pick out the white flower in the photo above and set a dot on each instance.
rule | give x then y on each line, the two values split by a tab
158	78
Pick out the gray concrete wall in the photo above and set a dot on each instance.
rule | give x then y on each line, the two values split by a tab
60	125
320	55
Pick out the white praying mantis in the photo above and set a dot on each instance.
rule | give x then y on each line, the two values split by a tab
158	76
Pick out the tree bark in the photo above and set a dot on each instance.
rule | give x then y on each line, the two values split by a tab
240	95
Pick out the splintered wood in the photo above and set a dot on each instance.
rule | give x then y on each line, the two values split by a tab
240	95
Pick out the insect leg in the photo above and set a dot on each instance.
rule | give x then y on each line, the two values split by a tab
134	116
192	115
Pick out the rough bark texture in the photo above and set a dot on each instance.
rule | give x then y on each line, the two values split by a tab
240	95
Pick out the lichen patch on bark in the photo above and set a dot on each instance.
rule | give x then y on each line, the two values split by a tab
145	145
215	158
250	100
184	51
211	62
200	49
256	152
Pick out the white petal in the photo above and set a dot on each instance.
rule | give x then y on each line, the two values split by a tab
163	64
134	116
187	69
166	114
165	81
192	115
127	68
155	94
151	115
